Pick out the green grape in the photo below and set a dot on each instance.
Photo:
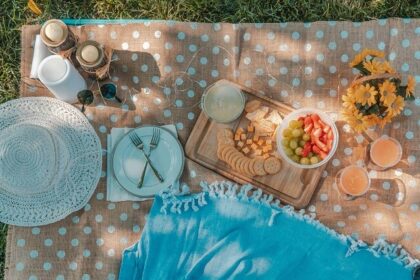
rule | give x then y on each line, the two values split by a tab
295	158
306	137
288	151
298	151
304	161
293	144
302	143
310	154
294	124
314	160
296	133
287	132
300	123
301	131
285	142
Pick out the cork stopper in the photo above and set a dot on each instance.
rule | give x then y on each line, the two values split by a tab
90	53
54	32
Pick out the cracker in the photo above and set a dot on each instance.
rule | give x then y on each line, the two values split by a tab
229	154
272	165
252	105
249	167
234	159
258	167
221	151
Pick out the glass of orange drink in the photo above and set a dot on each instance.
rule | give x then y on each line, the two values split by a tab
385	152
353	181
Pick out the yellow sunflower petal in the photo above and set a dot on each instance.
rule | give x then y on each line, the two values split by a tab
34	7
387	90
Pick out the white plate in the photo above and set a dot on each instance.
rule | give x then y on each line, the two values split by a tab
129	161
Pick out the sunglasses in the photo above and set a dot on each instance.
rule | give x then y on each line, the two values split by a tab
108	91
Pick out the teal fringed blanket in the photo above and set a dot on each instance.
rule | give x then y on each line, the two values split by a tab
227	233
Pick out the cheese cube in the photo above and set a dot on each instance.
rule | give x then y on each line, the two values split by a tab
266	156
254	146
243	136
268	142
258	152
267	148
240	144
245	150
249	141
237	137
250	128
260	142
239	131
256	138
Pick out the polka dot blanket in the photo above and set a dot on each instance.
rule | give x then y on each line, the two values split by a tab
161	69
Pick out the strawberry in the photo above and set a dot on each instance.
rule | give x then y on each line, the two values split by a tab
326	128
323	155
329	144
317	132
317	125
330	135
323	138
321	145
301	119
315	117
307	121
308	128
316	150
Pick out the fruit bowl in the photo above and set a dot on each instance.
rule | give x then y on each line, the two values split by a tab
307	138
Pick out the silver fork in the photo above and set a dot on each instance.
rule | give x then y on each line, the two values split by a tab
153	144
135	139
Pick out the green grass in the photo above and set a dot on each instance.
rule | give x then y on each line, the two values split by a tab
14	13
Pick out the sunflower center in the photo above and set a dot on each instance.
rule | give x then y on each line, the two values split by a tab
367	95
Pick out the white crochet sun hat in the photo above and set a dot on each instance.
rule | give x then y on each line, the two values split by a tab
50	161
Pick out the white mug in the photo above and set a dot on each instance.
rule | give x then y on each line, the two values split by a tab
61	78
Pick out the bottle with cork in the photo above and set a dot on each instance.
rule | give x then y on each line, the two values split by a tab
93	58
58	37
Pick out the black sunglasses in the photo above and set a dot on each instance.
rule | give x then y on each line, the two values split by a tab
108	91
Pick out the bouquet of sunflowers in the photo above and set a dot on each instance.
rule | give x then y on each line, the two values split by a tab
376	94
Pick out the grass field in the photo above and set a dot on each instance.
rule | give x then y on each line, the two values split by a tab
14	13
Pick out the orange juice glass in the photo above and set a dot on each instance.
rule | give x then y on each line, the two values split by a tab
353	181
385	152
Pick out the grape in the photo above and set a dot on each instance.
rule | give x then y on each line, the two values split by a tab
294	124
288	151
287	132
310	154
298	151
302	143
306	137
304	161
314	160
285	142
295	158
300	123
296	133
293	144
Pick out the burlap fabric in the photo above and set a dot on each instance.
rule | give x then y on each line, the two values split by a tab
162	68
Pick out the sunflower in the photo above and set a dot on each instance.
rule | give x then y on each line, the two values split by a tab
374	53
373	66
357	59
387	90
387	67
361	56
374	119
396	107
356	120
411	83
349	99
366	94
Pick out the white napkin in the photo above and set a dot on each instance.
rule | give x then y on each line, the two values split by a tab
41	51
114	191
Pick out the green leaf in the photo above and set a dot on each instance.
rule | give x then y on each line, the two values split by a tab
401	91
374	109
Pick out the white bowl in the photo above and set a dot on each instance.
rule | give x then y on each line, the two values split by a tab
294	116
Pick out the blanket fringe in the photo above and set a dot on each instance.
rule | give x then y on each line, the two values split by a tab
227	190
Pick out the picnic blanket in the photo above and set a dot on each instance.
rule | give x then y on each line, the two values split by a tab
304	64
227	232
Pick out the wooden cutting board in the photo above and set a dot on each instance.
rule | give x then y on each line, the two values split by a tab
291	185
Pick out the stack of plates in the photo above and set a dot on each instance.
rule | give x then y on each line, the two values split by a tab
129	161
50	161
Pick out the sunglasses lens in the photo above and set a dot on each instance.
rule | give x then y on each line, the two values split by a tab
416	273
108	91
85	97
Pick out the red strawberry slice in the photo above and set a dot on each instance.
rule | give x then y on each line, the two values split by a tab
330	135
329	144
307	121
316	150
317	132
326	129
308	128
321	145
315	117
323	138
323	155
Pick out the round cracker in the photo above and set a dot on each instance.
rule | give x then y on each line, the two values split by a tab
234	159
230	152
224	150
272	165
259	167
252	105
249	168
238	163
